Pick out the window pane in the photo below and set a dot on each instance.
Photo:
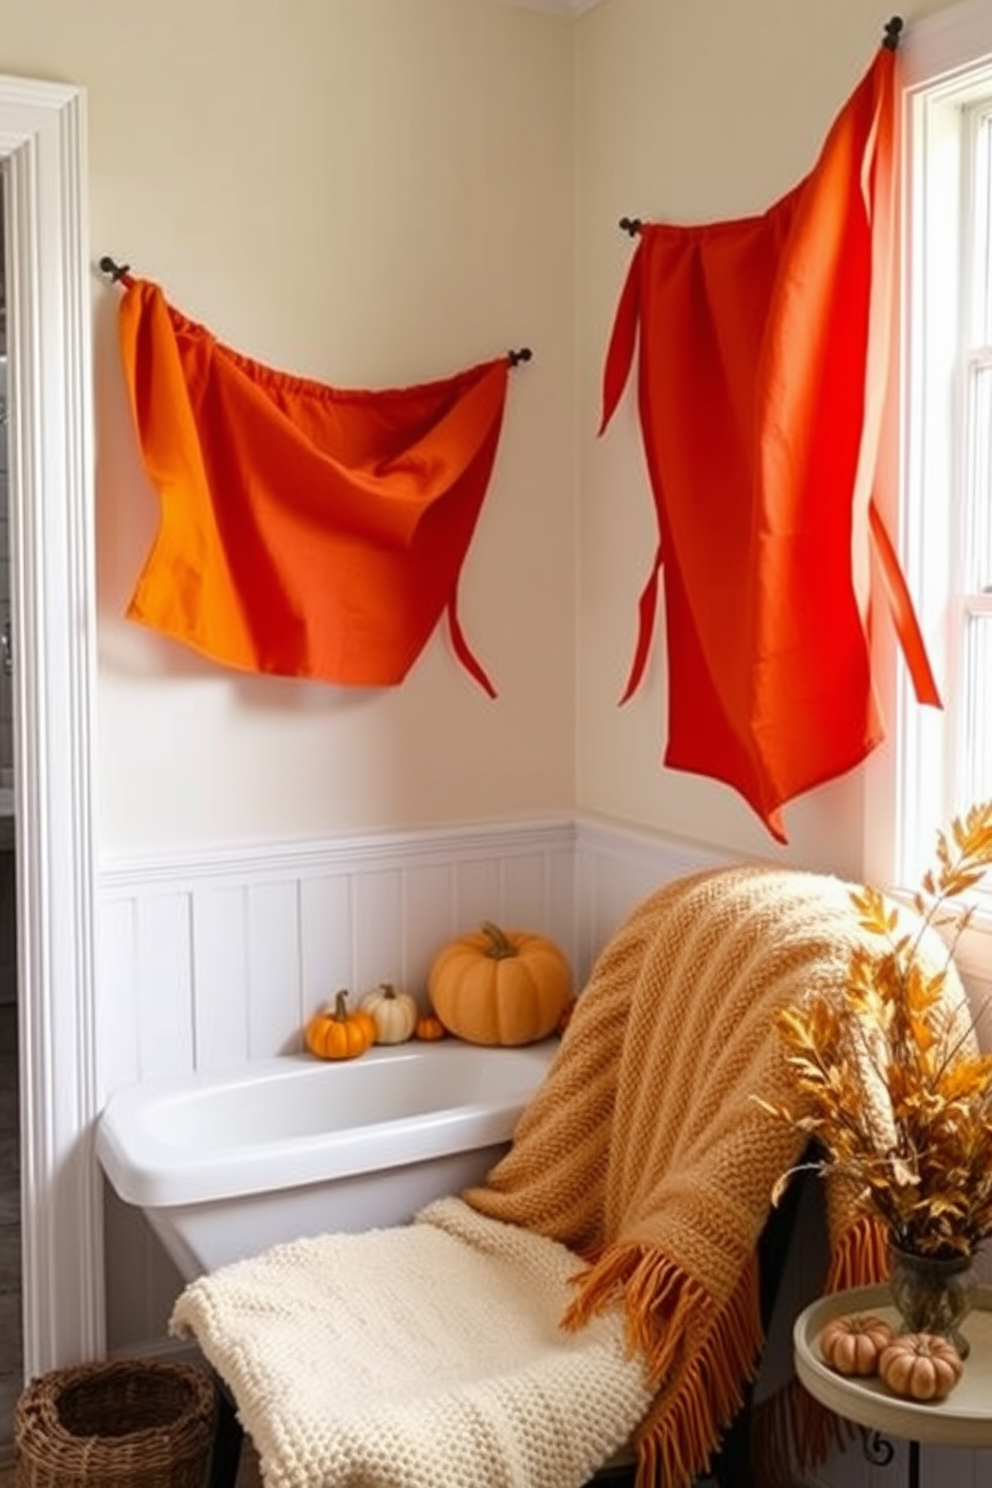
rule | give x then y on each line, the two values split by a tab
977	555
983	222
976	714
944	757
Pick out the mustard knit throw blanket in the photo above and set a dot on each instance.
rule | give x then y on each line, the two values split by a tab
646	1152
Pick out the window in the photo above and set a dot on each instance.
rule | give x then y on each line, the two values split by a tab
943	758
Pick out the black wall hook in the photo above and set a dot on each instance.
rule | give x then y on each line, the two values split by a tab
115	270
523	355
631	225
893	30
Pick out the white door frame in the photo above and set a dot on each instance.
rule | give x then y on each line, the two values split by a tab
42	143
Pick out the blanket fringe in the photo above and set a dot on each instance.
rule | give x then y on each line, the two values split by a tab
669	1315
677	1439
860	1257
660	1301
791	1433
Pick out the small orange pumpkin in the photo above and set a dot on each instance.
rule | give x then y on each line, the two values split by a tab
337	1033
854	1343
496	986
429	1028
920	1366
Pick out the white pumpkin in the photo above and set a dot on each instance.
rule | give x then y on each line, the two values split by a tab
394	1013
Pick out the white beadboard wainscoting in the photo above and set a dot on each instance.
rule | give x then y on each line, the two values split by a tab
216	959
213	960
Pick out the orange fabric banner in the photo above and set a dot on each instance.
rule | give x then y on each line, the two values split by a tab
762	347
305	531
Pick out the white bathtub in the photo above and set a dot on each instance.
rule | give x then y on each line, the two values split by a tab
226	1165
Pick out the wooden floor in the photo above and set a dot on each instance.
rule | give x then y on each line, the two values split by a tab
249	1476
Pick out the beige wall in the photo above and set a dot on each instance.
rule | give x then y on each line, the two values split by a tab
685	112
381	191
371	192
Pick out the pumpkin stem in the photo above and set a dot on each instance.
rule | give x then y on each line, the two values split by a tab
387	989
499	947
341	1006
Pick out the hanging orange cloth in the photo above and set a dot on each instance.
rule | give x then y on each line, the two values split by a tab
305	531
762	366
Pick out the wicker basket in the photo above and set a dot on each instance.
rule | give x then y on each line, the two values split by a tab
126	1424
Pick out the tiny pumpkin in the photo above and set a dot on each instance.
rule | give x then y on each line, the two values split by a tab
338	1033
920	1366
429	1028
565	1016
853	1344
495	986
393	1013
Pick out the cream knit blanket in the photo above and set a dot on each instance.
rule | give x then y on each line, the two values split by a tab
425	1356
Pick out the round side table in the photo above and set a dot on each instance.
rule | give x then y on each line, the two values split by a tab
964	1419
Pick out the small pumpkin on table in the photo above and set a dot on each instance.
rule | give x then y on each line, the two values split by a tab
853	1344
920	1367
915	1366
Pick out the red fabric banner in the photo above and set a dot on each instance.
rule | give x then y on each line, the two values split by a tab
305	530
762	347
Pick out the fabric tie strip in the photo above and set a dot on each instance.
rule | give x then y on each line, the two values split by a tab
763	348
305	530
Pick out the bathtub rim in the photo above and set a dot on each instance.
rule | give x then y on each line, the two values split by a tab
146	1172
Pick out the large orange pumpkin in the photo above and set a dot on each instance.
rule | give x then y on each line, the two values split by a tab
496	986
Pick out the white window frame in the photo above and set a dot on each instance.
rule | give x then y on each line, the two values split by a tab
908	797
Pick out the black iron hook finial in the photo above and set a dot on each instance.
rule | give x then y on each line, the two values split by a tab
115	270
893	30
523	355
631	225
